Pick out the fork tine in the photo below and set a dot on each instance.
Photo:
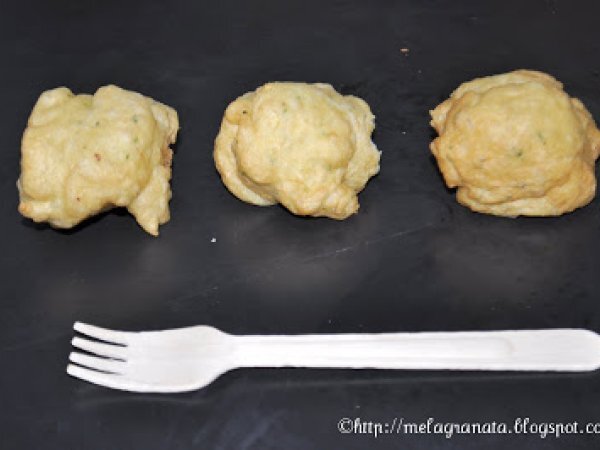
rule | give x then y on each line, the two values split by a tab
106	365
103	379
108	350
118	337
113	381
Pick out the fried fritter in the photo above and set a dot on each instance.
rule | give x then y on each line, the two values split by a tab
516	144
83	154
302	145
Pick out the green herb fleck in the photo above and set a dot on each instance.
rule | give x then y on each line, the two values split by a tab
135	118
541	137
135	140
127	156
97	124
518	152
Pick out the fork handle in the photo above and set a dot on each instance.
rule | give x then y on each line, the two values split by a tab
526	350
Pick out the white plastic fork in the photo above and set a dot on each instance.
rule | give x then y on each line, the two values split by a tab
186	359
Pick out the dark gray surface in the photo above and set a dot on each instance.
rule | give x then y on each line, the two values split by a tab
411	260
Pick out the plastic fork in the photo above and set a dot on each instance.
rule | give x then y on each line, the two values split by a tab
186	359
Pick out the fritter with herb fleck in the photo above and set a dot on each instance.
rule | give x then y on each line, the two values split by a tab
516	144
83	154
302	145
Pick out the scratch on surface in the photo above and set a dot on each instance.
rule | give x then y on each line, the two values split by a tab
224	438
368	242
399	234
259	431
331	253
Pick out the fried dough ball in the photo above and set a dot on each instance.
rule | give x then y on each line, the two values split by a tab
83	154
302	145
516	144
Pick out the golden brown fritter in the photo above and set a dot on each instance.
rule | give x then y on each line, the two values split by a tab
302	145
516	144
82	154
